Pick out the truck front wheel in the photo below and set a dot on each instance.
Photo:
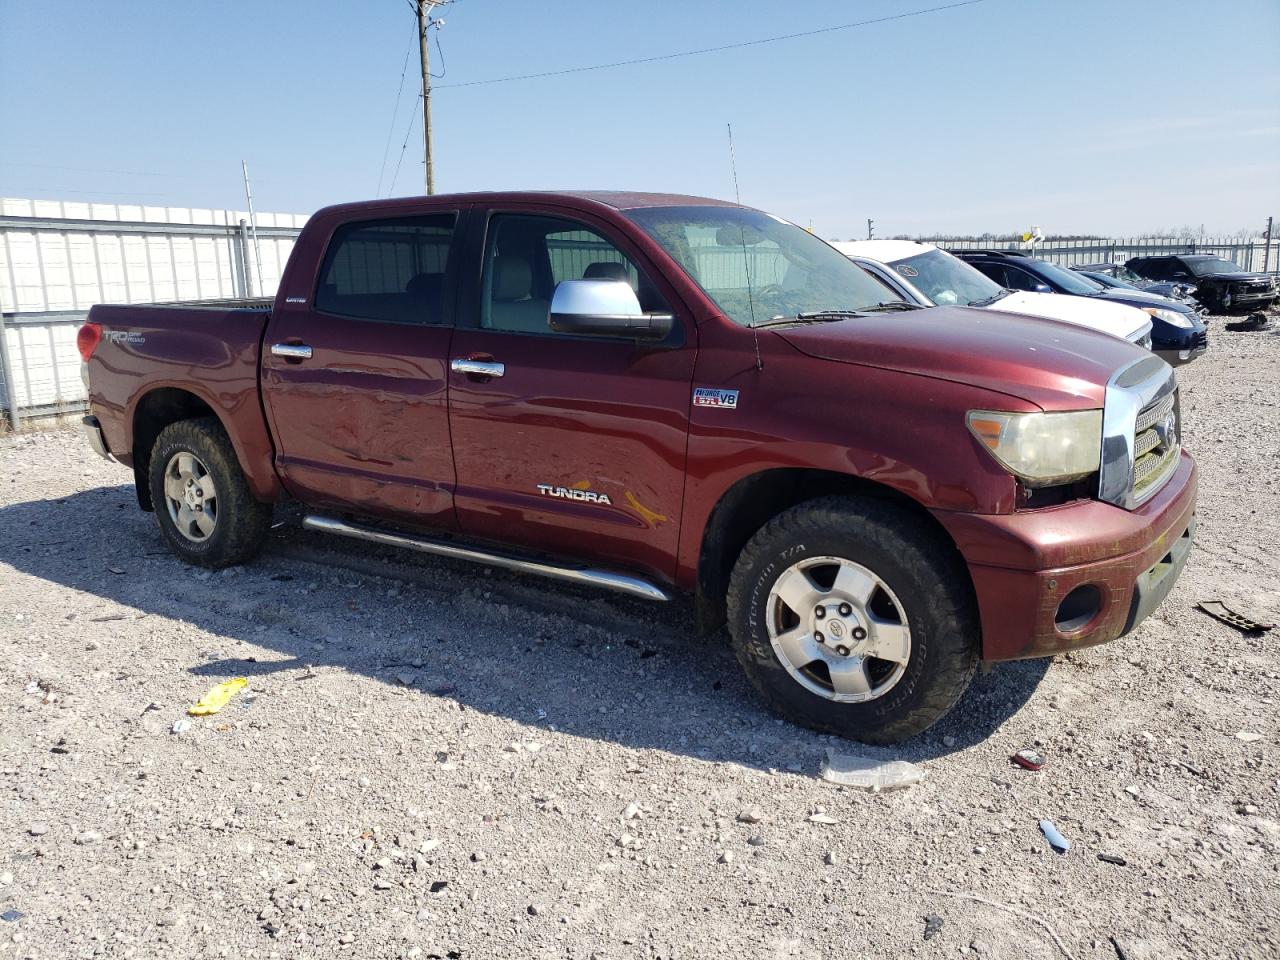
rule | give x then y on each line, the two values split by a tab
852	617
204	508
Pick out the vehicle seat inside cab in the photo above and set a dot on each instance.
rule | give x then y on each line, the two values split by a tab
513	305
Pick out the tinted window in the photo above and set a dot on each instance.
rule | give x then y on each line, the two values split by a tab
1068	280
1158	268
526	256
1016	279
388	270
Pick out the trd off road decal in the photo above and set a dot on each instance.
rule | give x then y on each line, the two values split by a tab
715	397
571	493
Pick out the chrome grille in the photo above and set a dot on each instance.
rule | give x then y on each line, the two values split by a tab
1153	414
1140	434
1156	444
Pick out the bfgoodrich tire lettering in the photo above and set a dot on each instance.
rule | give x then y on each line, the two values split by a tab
926	579
242	522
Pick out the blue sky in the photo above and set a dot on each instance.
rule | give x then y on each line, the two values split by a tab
1108	116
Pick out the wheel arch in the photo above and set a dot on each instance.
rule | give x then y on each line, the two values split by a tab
756	499
154	411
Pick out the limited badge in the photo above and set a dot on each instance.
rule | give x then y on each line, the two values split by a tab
715	397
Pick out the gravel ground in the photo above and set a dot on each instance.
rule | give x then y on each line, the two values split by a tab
435	760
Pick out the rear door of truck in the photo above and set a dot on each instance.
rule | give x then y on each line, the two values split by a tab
354	374
574	444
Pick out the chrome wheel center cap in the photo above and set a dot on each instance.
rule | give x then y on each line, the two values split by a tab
839	628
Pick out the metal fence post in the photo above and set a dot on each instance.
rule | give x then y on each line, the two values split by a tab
244	260
10	388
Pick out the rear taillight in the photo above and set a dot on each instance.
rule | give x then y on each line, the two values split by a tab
87	340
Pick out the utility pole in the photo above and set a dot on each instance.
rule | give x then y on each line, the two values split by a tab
871	229
1266	249
423	10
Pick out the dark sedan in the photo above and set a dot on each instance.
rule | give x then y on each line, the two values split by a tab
1118	275
1178	333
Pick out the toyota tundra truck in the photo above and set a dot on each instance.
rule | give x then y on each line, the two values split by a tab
667	395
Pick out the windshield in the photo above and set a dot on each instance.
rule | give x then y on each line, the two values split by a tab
756	266
1068	280
1206	268
945	280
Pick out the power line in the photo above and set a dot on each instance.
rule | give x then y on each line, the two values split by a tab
382	170
404	146
694	53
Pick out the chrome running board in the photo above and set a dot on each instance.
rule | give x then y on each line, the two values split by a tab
618	582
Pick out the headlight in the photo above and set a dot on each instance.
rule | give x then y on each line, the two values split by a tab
1169	316
1042	449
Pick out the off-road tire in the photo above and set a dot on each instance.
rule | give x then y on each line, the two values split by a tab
918	564
242	523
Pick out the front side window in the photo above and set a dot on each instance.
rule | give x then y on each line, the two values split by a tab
526	256
1018	279
388	270
755	266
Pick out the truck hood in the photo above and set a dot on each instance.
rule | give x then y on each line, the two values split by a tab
1056	366
1241	277
1114	318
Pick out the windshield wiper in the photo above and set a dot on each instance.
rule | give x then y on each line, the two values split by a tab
815	316
987	301
892	305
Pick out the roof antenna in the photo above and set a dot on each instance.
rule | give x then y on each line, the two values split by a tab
746	261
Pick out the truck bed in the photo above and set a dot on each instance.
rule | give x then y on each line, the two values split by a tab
200	355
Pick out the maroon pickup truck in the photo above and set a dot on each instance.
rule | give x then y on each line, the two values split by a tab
654	394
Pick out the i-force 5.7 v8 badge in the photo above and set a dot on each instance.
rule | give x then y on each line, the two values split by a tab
572	493
715	397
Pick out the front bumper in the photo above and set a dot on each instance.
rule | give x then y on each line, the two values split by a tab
1025	565
93	433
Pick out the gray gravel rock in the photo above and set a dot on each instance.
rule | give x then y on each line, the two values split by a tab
352	767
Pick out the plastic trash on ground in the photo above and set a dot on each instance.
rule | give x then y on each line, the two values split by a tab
1056	840
867	773
218	697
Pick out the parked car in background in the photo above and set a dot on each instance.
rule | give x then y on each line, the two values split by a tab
1178	333
658	394
921	273
1222	285
1118	275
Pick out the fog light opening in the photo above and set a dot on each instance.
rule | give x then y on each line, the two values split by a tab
1077	608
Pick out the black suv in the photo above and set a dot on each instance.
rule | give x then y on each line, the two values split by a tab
1222	285
1178	333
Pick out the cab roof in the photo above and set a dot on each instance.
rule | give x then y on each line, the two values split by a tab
617	199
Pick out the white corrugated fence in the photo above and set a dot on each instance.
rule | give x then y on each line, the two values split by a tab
58	259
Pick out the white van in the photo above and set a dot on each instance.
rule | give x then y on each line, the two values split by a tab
921	273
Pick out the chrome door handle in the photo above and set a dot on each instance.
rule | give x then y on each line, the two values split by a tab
291	351
478	368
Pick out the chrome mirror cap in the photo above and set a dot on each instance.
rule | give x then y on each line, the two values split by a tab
604	307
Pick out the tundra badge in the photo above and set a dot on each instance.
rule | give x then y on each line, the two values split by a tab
715	397
573	493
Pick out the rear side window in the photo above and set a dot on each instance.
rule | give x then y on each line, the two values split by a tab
388	270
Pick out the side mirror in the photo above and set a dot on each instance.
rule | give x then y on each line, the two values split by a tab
1043	287
607	308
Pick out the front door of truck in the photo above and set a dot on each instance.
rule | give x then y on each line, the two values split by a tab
354	376
567	443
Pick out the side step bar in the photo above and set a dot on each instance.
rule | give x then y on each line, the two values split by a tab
597	578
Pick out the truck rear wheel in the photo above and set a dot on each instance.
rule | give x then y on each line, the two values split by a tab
204	508
850	617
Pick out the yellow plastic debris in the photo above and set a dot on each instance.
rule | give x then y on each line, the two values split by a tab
218	697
